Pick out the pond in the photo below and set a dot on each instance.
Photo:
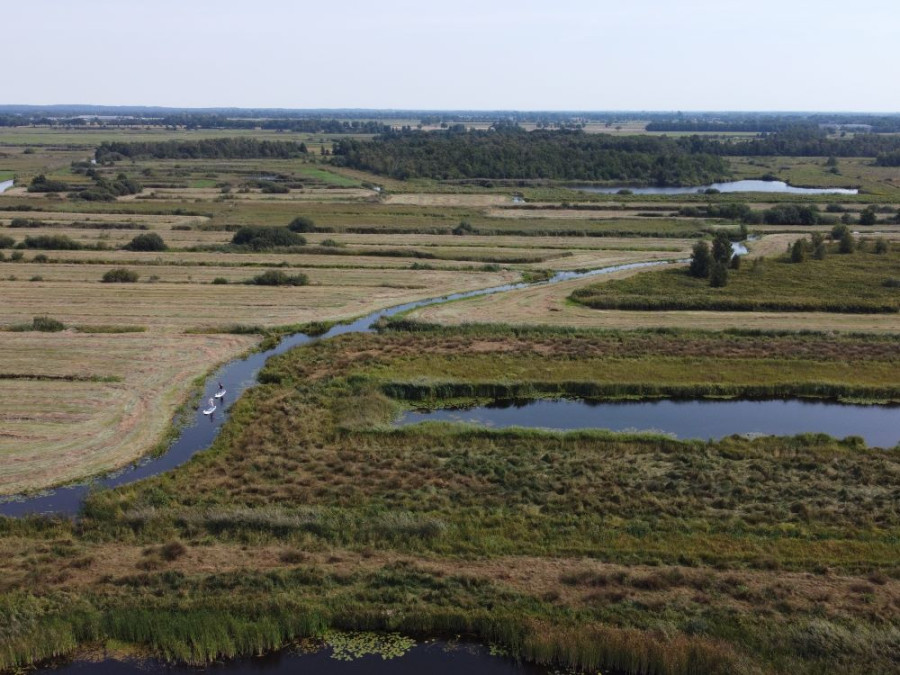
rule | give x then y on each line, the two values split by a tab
435	658
879	425
731	186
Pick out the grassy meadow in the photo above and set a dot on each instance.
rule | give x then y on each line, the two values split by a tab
311	513
594	550
857	282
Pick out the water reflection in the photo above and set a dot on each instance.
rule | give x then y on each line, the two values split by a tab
879	425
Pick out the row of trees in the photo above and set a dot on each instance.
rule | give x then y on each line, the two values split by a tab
212	148
510	153
789	214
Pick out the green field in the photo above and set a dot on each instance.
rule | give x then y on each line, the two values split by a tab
859	282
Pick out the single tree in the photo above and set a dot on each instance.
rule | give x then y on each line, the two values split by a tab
700	260
847	243
721	248
718	274
798	251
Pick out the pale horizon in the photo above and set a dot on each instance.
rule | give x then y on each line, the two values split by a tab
579	56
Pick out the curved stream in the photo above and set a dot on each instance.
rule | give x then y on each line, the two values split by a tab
236	376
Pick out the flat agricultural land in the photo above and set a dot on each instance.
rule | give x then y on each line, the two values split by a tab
76	404
311	510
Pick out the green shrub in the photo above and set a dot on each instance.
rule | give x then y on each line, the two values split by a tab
51	242
798	251
40	258
302	224
16	256
41	184
47	325
6	241
718	274
847	243
279	278
120	275
261	238
146	242
881	246
220	281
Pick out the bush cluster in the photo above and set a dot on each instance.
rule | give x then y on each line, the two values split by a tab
120	275
261	238
146	242
279	278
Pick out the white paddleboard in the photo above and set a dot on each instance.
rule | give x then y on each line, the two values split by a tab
220	394
209	411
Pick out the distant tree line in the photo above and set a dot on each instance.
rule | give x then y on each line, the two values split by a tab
213	148
302	125
888	159
508	152
796	141
729	125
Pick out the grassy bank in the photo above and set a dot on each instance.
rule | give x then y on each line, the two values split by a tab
849	283
586	549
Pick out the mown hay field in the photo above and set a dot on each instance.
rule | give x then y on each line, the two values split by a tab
74	404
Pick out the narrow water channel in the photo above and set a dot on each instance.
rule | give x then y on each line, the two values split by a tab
5	185
236	376
703	419
433	658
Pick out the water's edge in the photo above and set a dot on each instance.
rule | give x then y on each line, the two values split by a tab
770	186
236	377
878	425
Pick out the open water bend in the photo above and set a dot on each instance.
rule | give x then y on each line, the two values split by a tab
878	425
5	185
236	376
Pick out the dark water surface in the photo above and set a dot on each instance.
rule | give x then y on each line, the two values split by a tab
236	376
878	425
435	658
731	186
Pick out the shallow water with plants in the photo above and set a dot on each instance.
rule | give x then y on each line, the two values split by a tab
377	655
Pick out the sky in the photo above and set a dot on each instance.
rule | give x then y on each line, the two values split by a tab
792	55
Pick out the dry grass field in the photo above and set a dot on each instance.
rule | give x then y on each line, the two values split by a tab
75	404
